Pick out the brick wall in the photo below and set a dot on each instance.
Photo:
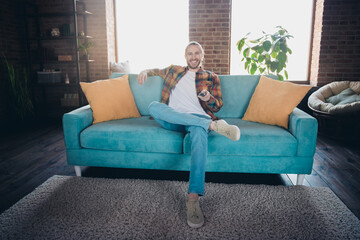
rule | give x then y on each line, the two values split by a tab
336	57
315	53
209	24
101	27
110	31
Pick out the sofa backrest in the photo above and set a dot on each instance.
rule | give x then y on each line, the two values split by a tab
236	93
147	93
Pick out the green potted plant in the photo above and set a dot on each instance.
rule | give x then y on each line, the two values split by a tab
21	104
84	48
267	54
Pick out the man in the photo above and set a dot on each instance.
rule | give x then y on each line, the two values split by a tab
189	99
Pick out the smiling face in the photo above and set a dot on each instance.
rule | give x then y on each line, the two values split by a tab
194	57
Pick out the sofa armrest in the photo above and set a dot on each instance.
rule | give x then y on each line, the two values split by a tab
304	127
73	123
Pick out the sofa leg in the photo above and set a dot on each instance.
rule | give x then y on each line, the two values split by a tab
300	179
77	171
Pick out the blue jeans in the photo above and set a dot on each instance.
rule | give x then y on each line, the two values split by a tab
198	126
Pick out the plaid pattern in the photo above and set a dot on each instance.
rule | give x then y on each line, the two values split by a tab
204	80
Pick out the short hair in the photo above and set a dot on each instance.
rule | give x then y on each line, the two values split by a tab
197	44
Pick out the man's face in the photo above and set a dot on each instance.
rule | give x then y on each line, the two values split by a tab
193	57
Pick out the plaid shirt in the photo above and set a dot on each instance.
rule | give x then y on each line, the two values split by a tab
204	80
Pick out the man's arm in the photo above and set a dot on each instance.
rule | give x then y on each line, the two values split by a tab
214	102
142	77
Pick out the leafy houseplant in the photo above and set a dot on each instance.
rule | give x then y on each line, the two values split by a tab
84	47
19	91
267	54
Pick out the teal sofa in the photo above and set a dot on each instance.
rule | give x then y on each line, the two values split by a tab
142	144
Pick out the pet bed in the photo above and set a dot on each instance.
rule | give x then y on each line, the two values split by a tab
336	106
336	98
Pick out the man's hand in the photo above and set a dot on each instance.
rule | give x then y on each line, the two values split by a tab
142	77
204	95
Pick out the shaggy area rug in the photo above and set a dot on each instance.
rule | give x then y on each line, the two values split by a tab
95	208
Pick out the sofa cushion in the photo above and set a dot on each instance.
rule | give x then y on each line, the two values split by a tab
273	101
256	139
133	135
110	99
345	97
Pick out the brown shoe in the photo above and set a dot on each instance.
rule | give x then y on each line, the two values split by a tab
195	217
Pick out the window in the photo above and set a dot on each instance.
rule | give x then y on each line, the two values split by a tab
151	34
257	15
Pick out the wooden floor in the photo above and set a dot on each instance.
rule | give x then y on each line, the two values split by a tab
30	157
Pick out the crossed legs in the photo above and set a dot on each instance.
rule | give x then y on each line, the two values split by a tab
197	126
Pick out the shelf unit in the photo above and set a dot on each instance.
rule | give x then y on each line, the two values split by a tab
53	58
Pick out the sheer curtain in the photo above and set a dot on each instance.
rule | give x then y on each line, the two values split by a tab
257	15
152	34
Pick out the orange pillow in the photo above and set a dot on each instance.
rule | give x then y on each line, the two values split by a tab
110	99
273	101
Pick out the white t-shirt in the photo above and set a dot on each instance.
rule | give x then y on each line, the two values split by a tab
183	97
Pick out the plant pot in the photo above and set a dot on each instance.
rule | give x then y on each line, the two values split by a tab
85	57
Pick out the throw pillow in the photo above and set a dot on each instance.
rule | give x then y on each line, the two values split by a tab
273	101
110	99
123	67
345	97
